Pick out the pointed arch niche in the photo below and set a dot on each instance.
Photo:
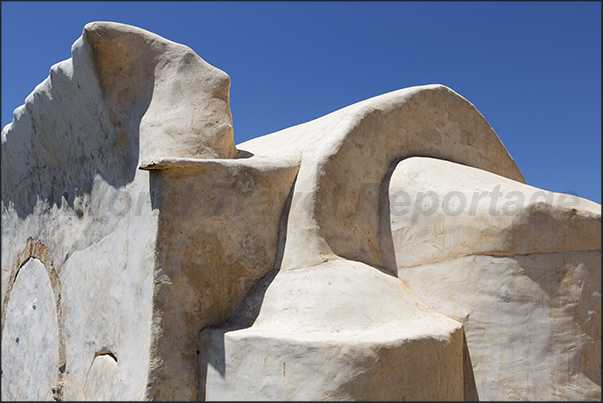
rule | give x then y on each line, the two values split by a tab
31	326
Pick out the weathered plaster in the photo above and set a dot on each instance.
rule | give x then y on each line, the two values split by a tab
167	264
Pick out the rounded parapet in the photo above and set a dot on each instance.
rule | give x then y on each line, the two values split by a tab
179	102
347	155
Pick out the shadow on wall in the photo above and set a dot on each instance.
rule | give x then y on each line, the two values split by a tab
386	242
577	278
214	354
469	379
53	156
246	312
211	351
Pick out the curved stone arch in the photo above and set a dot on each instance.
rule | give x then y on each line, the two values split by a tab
351	150
35	249
431	121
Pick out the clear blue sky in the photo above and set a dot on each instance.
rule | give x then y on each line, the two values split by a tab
533	69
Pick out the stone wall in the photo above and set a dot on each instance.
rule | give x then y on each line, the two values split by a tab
390	250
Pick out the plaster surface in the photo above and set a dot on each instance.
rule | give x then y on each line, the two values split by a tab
333	260
532	323
30	337
519	267
341	217
440	210
217	236
340	330
70	181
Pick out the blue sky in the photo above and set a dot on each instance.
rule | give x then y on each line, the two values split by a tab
533	69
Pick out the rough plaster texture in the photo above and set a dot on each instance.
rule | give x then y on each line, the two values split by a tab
70	181
27	352
178	102
532	323
341	215
174	266
523	277
440	210
341	330
101	380
64	178
218	236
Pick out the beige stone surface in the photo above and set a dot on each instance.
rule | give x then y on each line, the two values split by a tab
441	210
181	267
518	266
346	157
337	216
532	323
179	102
70	182
341	330
30	337
217	236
